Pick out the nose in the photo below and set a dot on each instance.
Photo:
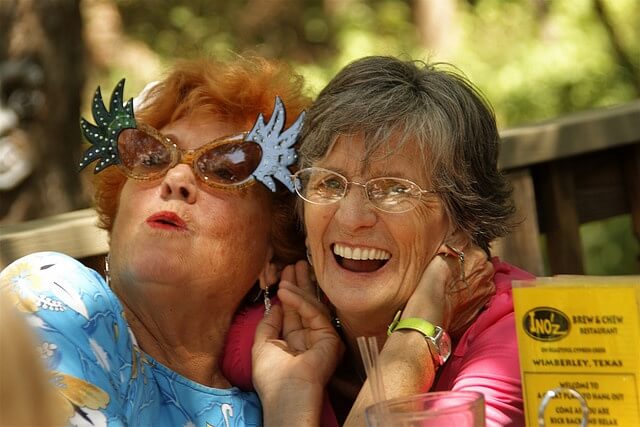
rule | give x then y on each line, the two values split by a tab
179	183
355	210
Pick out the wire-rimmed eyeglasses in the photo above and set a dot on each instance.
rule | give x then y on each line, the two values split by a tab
389	194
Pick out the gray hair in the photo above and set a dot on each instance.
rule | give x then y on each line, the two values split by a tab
386	99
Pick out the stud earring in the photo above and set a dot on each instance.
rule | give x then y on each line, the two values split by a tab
267	301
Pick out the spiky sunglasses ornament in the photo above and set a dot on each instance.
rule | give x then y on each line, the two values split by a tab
271	162
103	136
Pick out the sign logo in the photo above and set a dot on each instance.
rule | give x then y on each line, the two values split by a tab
546	324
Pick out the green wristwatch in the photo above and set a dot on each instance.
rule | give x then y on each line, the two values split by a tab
437	338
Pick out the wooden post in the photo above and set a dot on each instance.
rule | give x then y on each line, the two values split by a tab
631	171
522	246
561	219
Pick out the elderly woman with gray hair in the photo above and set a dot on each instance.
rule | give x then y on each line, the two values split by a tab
402	198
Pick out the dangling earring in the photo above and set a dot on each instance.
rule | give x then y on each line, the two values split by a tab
463	277
309	257
106	270
267	301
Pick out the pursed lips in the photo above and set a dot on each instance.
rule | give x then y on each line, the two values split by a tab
167	220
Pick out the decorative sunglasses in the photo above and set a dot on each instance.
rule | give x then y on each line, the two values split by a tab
236	161
389	194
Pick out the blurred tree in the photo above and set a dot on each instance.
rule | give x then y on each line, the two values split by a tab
41	77
630	70
535	59
435	21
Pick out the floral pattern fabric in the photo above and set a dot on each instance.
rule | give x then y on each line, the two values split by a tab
94	360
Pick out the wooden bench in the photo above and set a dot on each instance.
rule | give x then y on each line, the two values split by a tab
565	172
73	233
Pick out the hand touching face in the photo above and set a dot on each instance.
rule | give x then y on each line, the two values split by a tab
295	352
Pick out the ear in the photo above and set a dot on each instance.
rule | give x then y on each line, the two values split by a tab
457	240
269	274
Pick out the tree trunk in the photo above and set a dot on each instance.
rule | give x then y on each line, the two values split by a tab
437	26
41	80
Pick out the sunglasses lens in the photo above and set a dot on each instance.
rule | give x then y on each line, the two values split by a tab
229	164
143	155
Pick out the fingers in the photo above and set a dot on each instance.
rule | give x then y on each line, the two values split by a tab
289	274
269	327
303	274
309	312
292	320
300	275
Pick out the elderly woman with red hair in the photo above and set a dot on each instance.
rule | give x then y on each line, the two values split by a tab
195	191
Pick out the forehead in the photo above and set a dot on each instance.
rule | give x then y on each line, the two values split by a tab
348	154
196	130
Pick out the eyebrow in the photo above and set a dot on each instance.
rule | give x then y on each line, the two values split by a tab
386	174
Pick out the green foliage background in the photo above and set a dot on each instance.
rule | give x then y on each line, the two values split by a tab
535	59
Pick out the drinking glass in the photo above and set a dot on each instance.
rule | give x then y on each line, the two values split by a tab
443	408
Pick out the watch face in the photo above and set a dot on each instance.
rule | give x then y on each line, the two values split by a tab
445	346
442	346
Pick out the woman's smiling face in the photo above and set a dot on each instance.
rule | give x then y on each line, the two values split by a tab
368	262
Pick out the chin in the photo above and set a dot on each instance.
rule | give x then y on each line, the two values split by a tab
154	268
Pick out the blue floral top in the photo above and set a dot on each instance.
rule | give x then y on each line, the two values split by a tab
95	362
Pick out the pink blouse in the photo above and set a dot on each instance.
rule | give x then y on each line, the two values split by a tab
485	359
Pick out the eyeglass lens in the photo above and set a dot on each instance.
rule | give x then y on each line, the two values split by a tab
322	186
147	156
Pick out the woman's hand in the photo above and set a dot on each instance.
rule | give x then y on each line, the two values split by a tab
445	290
440	296
295	352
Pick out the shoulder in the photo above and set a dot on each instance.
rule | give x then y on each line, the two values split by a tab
506	273
51	281
78	318
84	338
496	319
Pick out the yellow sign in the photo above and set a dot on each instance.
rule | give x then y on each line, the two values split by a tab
580	333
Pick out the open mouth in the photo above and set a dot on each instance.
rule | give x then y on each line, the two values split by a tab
360	259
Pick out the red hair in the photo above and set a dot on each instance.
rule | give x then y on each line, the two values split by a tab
234	92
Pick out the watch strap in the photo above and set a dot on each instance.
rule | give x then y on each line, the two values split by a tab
426	328
437	338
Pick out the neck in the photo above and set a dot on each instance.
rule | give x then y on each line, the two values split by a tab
361	326
185	333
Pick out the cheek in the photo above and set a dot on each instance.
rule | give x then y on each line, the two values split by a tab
248	222
125	207
430	229
131	201
316	220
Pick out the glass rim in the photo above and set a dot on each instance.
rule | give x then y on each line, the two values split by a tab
469	397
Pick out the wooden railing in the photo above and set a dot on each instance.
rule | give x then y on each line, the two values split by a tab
565	172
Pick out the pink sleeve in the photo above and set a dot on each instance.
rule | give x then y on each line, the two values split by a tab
490	366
